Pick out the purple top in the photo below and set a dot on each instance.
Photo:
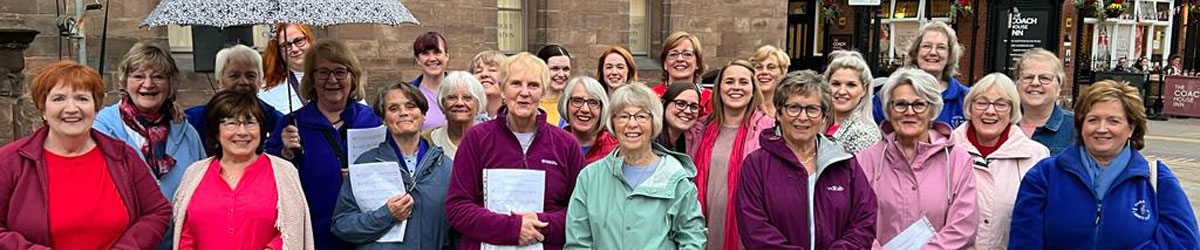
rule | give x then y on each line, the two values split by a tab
492	145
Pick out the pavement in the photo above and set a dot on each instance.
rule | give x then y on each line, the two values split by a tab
1176	142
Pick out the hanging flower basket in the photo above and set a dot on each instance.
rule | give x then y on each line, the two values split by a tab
1101	9
831	11
960	7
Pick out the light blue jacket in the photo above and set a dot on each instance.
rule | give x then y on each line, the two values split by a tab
183	144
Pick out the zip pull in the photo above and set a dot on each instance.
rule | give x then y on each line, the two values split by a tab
1097	222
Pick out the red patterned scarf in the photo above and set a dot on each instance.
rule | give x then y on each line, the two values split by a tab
153	127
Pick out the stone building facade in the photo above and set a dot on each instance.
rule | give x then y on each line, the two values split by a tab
728	29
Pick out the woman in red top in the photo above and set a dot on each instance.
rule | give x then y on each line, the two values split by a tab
682	60
240	198
67	186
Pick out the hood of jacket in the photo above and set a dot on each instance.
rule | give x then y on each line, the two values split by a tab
829	152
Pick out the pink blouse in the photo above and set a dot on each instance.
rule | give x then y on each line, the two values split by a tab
220	217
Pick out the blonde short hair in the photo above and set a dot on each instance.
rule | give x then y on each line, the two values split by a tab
925	84
999	82
636	95
486	58
336	52
952	57
151	56
767	51
674	39
527	61
1040	54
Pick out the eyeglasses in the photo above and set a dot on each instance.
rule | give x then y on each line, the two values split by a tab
686	54
577	102
1000	106
794	110
941	48
639	118
682	105
917	107
338	73
234	124
1042	79
295	43
456	98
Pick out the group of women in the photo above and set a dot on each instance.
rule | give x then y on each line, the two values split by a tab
766	159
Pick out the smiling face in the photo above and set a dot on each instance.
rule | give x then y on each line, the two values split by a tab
933	53
736	88
488	75
848	90
633	128
69	111
585	117
433	62
1106	129
802	128
679	113
522	92
908	122
241	76
330	88
768	72
1035	93
239	137
460	106
560	71
147	88
680	63
616	71
295	45
995	115
401	114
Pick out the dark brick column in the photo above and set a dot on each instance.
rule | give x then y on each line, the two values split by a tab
17	117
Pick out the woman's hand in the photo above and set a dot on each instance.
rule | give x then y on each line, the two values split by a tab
529	228
291	141
400	206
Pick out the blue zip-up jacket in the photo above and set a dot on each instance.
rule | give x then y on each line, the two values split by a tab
195	116
427	226
952	107
1056	209
1059	131
319	165
183	144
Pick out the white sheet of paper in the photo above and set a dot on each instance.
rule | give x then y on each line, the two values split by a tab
913	237
360	140
373	184
507	190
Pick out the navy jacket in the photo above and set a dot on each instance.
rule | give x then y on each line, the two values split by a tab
319	163
1056	209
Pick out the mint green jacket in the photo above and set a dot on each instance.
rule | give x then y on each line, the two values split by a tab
661	213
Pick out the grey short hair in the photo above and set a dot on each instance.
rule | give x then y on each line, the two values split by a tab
952	56
636	95
593	88
925	84
852	60
1001	83
242	54
462	79
804	83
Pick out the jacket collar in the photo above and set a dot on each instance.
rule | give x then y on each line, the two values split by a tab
33	146
310	116
955	90
673	167
1057	117
502	119
1069	160
941	138
828	151
1016	147
387	153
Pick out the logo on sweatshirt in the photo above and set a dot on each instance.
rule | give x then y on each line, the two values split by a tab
835	188
1140	210
549	162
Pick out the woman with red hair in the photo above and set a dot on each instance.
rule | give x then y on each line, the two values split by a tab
292	40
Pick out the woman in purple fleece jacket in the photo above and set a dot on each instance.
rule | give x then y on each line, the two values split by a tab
518	138
802	161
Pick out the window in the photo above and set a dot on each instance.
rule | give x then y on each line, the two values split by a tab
180	37
510	25
639	27
1129	37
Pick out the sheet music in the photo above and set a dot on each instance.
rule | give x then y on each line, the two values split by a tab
507	190
913	237
373	185
360	140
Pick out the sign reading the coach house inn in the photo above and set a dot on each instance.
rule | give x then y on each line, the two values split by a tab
1028	29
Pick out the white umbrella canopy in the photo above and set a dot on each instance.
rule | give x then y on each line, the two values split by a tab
225	13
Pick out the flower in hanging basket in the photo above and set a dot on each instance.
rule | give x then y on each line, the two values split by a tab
960	7
830	10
